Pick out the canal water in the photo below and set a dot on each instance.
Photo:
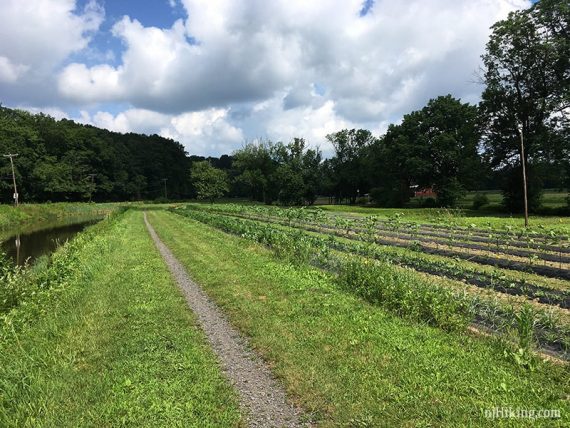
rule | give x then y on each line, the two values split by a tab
29	244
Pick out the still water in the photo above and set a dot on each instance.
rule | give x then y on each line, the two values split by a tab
27	246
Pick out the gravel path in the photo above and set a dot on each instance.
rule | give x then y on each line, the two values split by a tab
262	399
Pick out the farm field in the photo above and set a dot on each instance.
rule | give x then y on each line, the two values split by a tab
491	274
459	217
360	332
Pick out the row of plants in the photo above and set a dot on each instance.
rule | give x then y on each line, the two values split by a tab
399	220
410	296
497	240
496	279
553	269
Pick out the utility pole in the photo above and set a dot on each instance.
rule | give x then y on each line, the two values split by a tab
165	192
12	156
92	177
523	164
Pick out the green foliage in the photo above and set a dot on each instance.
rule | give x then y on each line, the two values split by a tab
526	73
479	201
56	159
433	147
513	198
404	294
210	183
346	173
275	171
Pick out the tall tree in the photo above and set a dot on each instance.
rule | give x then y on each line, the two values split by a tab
433	147
210	183
347	166
527	78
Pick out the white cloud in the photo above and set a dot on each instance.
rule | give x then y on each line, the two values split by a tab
237	69
205	131
10	72
40	34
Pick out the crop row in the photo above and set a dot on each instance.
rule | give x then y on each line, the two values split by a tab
554	253
427	301
472	253
537	238
495	280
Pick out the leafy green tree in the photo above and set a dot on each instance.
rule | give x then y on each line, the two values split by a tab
254	166
346	168
210	183
56	158
289	173
527	79
433	147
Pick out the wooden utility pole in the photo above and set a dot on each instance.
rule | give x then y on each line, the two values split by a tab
12	156
523	164
165	191
92	177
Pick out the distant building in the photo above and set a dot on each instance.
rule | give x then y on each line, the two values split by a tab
424	193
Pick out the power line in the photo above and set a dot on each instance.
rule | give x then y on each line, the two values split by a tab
12	156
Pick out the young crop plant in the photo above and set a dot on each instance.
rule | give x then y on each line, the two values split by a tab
403	294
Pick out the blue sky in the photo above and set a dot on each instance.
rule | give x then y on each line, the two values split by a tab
215	73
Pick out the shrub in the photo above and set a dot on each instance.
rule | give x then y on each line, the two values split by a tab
480	200
429	203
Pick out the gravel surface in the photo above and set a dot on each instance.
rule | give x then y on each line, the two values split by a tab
262	398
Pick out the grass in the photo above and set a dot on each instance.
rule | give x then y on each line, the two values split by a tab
11	216
351	363
550	199
114	344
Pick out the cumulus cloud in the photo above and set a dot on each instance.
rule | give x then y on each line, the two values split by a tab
36	37
205	131
252	68
244	50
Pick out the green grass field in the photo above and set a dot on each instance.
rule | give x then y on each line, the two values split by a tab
458	217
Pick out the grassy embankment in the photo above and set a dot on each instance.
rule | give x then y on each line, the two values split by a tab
101	336
347	361
11	216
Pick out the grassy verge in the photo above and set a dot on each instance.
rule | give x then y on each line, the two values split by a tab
111	342
33	213
349	362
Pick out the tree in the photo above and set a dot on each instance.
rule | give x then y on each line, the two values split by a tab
433	147
210	183
527	79
347	166
289	173
255	166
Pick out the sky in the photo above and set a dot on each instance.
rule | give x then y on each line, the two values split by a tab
214	74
